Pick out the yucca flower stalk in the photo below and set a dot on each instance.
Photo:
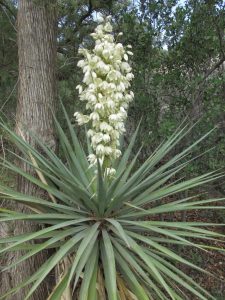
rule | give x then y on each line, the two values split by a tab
105	225
105	88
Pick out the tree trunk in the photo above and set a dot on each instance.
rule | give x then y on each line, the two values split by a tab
36	23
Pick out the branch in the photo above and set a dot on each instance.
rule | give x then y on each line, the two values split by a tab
220	37
89	12
197	95
210	71
6	6
5	65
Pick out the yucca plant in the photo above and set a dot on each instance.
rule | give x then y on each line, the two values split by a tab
102	224
101	213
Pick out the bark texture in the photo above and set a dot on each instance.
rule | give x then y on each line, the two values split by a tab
36	22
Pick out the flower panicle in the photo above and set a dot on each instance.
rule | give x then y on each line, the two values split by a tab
105	89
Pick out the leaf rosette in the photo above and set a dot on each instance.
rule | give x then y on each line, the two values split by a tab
105	225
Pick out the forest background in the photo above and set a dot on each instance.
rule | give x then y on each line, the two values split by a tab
178	67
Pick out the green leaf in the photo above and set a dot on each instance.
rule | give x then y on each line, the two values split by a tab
123	161
120	230
84	251
59	288
156	273
132	262
55	259
90	270
39	247
108	261
170	254
101	191
31	236
130	278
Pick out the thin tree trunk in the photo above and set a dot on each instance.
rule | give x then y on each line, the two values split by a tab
36	23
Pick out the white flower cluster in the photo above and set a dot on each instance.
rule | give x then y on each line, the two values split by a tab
107	76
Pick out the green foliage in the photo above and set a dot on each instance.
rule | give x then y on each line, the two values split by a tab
8	56
105	226
177	46
179	70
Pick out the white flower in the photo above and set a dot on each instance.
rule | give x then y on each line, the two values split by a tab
81	119
110	171
106	53
121	87
112	86
99	49
115	134
108	27
109	18
102	67
125	57
110	103
92	159
94	116
106	138
118	96
111	76
124	105
99	106
100	96
119	47
79	88
128	97
100	150
90	133
120	127
105	127
130	53
91	97
104	85
122	114
125	67
81	63
117	153
108	150
94	75
129	76
113	118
